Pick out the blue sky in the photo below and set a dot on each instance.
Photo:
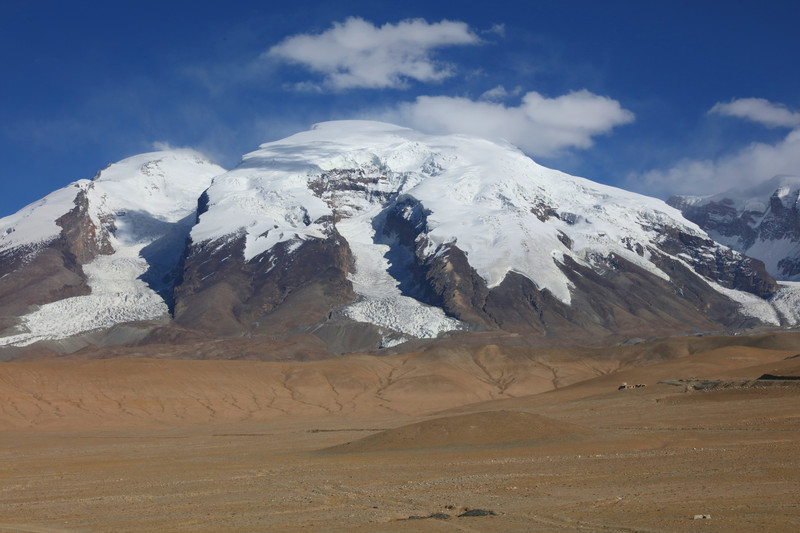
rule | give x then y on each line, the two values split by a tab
658	97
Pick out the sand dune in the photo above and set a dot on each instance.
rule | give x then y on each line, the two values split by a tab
489	428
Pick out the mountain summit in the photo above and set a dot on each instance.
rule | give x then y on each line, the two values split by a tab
359	235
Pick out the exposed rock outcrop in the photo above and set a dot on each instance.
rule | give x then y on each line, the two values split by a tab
294	284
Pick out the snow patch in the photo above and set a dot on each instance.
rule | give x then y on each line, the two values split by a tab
389	341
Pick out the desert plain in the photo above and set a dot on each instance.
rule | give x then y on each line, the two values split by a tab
448	438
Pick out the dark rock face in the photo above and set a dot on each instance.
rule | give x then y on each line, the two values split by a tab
295	287
337	186
451	282
80	237
781	221
517	305
36	277
789	266
273	293
723	265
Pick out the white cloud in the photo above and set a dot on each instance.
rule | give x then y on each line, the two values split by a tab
540	126
744	168
356	53
759	110
499	93
497	29
162	146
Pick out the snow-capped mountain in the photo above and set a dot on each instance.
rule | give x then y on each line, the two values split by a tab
762	222
356	235
367	223
100	252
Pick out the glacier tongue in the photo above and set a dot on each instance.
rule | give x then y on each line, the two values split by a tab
381	301
117	296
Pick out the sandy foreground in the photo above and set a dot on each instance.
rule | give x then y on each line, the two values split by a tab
525	441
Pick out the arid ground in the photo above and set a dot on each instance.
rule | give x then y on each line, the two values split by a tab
522	439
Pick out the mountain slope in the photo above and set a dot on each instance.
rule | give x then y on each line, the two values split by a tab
100	252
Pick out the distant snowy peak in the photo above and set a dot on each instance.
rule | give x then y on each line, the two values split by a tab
783	189
762	221
35	224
